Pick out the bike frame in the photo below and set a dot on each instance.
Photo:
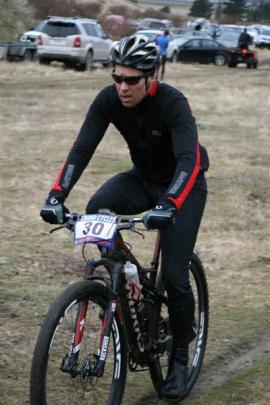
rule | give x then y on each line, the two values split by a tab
113	260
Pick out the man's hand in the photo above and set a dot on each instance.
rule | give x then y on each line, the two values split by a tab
160	216
53	211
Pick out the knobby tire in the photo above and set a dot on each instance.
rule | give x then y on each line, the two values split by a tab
197	348
49	385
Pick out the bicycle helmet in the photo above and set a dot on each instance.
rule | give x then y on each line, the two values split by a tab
136	51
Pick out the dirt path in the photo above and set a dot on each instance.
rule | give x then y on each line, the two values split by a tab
219	372
234	363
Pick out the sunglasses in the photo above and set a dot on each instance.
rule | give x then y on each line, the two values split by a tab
130	80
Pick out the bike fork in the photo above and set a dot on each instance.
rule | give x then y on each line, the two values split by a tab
108	321
69	363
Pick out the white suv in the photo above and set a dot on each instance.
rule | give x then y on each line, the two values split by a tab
262	39
74	41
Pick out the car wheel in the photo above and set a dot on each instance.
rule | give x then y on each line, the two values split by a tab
174	57
27	57
43	61
89	61
34	56
220	59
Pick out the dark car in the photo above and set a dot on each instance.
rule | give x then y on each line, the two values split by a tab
203	50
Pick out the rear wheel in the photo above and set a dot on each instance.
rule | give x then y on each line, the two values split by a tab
60	377
28	56
44	61
88	65
220	59
252	65
197	347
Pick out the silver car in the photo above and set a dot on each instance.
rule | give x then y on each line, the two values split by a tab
74	41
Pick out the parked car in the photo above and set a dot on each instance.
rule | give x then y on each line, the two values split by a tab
175	41
154	23
231	28
74	41
203	50
19	50
33	34
262	39
229	38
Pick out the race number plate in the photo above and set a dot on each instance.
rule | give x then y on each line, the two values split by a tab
98	229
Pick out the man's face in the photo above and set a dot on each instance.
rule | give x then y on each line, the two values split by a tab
131	94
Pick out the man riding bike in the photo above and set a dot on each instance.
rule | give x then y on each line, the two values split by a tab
167	177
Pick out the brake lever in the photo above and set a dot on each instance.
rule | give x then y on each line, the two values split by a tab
135	230
57	228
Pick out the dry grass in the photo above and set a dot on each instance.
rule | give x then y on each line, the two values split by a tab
41	109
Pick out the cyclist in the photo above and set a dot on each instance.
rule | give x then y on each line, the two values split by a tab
166	180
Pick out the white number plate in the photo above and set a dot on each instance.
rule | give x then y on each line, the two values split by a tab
99	229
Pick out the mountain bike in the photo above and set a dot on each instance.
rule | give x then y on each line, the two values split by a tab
99	327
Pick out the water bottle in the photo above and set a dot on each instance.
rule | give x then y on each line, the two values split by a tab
133	281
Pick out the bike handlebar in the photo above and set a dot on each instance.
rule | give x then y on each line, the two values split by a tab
126	221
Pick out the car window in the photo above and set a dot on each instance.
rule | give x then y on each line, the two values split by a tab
265	32
100	33
195	43
90	29
207	44
60	29
154	24
40	26
151	35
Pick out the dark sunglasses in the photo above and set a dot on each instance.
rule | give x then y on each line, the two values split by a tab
130	80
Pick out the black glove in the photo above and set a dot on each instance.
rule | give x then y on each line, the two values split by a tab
53	211
160	216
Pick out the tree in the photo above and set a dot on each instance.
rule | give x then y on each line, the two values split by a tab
235	8
218	11
260	13
201	8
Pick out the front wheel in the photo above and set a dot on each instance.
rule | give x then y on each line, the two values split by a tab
174	57
197	347
59	376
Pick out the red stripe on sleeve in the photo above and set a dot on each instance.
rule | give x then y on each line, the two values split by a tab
153	89
178	202
56	186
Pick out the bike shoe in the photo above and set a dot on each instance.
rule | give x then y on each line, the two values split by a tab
175	384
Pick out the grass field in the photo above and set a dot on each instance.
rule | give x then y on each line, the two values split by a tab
41	110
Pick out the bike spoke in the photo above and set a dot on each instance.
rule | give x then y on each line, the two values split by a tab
62	387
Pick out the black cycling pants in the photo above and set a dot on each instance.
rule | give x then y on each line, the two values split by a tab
128	194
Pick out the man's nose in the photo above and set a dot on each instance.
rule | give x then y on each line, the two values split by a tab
124	85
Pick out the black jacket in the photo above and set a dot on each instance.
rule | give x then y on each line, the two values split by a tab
161	135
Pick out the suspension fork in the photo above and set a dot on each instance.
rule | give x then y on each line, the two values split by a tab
104	340
98	370
71	366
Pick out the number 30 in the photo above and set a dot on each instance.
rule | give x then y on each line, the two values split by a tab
96	229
